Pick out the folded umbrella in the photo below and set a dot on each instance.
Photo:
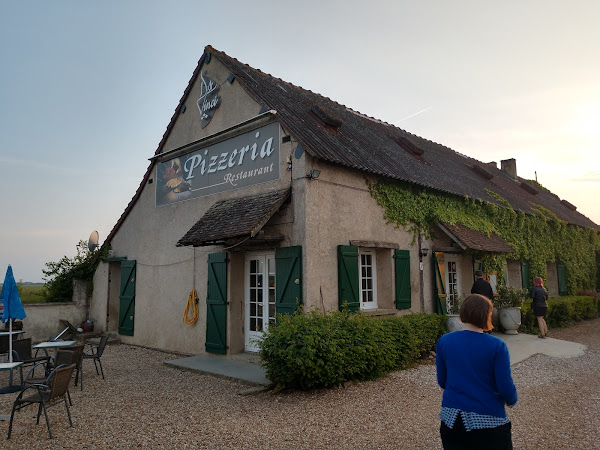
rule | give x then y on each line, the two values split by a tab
13	308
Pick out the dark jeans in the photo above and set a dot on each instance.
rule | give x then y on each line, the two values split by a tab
458	438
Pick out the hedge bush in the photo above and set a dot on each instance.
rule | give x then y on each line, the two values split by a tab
307	350
562	311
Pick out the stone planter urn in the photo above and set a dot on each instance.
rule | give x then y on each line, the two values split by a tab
510	319
495	319
454	323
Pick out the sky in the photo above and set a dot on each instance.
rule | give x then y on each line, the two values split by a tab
87	90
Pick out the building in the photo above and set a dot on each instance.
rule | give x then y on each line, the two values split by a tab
258	198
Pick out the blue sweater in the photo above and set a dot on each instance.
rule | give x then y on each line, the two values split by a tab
474	371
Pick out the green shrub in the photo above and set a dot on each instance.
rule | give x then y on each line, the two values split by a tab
509	296
308	350
59	275
562	311
594	294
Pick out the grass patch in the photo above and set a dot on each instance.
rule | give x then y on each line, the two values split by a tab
31	293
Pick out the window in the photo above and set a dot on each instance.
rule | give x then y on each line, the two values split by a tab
452	288
367	281
359	286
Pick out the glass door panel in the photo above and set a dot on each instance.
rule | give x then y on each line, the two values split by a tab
260	298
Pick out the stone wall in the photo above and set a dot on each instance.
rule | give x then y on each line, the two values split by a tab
43	319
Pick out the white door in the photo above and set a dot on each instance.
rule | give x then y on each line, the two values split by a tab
260	297
452	287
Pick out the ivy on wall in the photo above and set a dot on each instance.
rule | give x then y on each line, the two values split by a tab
540	238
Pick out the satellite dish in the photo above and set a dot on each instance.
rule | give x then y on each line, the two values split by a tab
93	241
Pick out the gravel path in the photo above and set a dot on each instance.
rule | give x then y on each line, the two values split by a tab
143	403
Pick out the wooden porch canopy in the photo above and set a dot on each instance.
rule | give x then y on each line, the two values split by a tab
235	219
467	238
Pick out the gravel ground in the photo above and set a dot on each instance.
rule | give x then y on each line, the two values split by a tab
143	403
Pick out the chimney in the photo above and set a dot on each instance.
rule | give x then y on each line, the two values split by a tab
509	167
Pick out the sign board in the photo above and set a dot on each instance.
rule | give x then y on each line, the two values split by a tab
245	160
209	99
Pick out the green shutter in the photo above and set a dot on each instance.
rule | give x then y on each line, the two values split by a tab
438	287
562	279
402	270
288	280
127	298
216	304
525	283
348	292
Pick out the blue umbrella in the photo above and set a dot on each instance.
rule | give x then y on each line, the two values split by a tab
13	308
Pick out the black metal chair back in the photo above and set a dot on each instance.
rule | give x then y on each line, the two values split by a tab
95	352
53	392
102	344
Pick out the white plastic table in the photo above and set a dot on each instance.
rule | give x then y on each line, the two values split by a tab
45	346
11	387
6	333
53	344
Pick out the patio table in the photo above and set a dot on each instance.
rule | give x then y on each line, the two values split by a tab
53	344
6	333
45	346
11	387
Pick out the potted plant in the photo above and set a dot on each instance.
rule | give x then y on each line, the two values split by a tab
509	302
453	307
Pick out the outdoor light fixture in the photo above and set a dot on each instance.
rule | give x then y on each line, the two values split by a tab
424	252
313	174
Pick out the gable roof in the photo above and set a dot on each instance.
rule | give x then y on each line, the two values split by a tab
332	132
337	134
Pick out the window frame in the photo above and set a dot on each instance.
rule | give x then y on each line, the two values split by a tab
373	305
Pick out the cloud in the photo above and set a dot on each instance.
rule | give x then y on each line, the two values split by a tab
38	233
37	164
590	177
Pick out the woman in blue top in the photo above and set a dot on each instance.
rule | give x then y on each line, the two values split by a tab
473	368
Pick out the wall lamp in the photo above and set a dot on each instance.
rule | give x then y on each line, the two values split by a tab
424	252
313	174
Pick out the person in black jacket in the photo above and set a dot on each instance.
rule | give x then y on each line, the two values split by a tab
481	286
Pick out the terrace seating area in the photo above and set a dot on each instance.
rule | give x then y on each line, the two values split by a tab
45	372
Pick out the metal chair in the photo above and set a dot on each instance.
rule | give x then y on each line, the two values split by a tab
62	358
77	351
51	393
22	351
95	353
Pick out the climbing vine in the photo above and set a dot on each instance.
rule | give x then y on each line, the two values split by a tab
540	238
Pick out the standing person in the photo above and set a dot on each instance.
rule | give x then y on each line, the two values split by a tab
473	368
481	286
540	305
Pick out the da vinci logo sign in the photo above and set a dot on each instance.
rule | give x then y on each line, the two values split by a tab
209	101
